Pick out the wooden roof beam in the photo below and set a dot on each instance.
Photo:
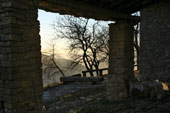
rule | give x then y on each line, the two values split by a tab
83	9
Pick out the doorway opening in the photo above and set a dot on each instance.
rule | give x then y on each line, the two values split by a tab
62	56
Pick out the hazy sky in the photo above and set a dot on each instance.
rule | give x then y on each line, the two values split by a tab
47	32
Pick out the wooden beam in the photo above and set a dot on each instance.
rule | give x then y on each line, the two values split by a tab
83	9
81	79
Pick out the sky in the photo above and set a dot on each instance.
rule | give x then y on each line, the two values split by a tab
47	33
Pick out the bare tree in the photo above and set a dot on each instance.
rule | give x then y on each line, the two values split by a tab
88	43
137	40
50	67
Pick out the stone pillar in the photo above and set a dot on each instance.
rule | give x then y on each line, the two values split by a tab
155	42
120	60
20	58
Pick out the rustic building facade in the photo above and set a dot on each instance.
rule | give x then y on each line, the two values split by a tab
155	44
20	57
20	63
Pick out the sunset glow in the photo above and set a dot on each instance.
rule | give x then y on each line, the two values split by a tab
47	34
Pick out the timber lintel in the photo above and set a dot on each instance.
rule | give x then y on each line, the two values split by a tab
83	9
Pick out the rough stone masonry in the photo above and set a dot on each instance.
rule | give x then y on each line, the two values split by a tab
120	60
20	63
20	57
155	42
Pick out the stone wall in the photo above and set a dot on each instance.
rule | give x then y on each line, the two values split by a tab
120	60
155	42
20	58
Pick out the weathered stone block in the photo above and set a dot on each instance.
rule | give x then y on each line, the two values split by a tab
20	62
120	60
155	41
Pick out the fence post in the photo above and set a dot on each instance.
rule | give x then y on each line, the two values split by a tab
101	73
84	74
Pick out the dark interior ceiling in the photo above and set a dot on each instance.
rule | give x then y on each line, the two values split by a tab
124	6
98	9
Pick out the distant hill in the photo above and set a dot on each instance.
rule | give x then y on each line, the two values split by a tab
63	64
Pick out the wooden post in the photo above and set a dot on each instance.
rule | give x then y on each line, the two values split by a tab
84	73
101	72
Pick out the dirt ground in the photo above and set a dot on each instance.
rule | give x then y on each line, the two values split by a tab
88	98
